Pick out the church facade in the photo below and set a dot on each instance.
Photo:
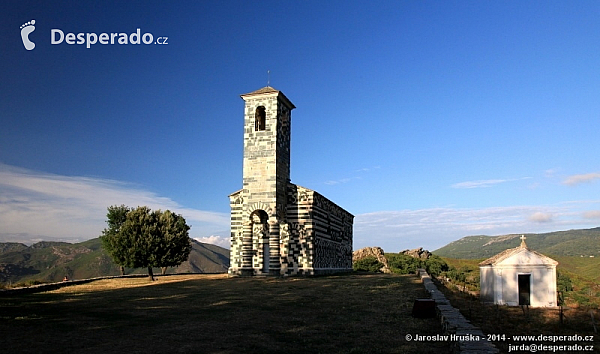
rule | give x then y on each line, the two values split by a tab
277	227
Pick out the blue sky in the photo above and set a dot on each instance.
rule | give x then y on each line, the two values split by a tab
428	120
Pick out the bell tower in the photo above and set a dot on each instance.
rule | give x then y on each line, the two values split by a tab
266	169
259	207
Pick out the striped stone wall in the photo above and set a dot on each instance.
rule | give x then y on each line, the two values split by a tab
319	238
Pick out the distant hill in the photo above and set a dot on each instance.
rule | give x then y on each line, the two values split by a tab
51	261
585	242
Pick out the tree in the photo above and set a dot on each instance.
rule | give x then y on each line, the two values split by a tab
142	238
176	245
116	217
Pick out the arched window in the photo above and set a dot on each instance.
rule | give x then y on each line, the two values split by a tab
259	118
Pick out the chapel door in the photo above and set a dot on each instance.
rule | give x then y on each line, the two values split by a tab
524	289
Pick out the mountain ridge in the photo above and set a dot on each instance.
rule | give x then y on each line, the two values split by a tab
49	261
578	242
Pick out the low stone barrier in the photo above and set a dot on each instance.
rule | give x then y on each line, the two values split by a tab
466	338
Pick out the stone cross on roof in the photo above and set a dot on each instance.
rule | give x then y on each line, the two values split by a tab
523	245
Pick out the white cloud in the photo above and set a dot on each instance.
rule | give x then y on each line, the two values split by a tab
368	169
40	206
478	184
551	172
578	179
361	171
541	217
215	240
339	181
484	183
592	214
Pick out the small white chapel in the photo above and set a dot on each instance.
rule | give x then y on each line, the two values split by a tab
519	276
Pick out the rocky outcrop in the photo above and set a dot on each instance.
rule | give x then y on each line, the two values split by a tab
417	253
376	252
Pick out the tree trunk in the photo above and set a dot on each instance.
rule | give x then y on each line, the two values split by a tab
122	270
163	270
150	274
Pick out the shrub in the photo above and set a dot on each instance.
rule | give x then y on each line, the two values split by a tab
368	264
563	282
435	265
403	264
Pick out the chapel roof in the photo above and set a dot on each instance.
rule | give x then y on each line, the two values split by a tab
512	251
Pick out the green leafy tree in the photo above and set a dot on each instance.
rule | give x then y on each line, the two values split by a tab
111	240
176	246
137	238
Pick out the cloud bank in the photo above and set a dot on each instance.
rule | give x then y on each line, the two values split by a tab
215	240
433	228
39	206
579	179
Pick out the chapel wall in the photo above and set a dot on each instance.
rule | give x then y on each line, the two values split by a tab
486	283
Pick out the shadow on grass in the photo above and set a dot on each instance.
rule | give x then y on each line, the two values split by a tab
336	314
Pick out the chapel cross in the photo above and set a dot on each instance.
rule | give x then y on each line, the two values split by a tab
523	245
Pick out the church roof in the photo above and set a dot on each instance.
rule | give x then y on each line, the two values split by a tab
513	251
267	90
236	192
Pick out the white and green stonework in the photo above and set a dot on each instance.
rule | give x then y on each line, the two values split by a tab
277	227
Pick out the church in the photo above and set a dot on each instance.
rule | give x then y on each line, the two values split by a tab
279	228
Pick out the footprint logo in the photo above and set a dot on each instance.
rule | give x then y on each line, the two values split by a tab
26	29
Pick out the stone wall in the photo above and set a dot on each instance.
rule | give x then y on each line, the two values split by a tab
236	201
453	322
315	235
319	236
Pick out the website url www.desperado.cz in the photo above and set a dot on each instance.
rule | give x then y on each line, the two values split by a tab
57	36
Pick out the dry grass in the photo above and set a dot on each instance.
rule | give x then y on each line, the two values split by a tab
215	314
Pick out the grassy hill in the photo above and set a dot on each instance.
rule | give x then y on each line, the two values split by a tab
585	242
583	267
51	261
